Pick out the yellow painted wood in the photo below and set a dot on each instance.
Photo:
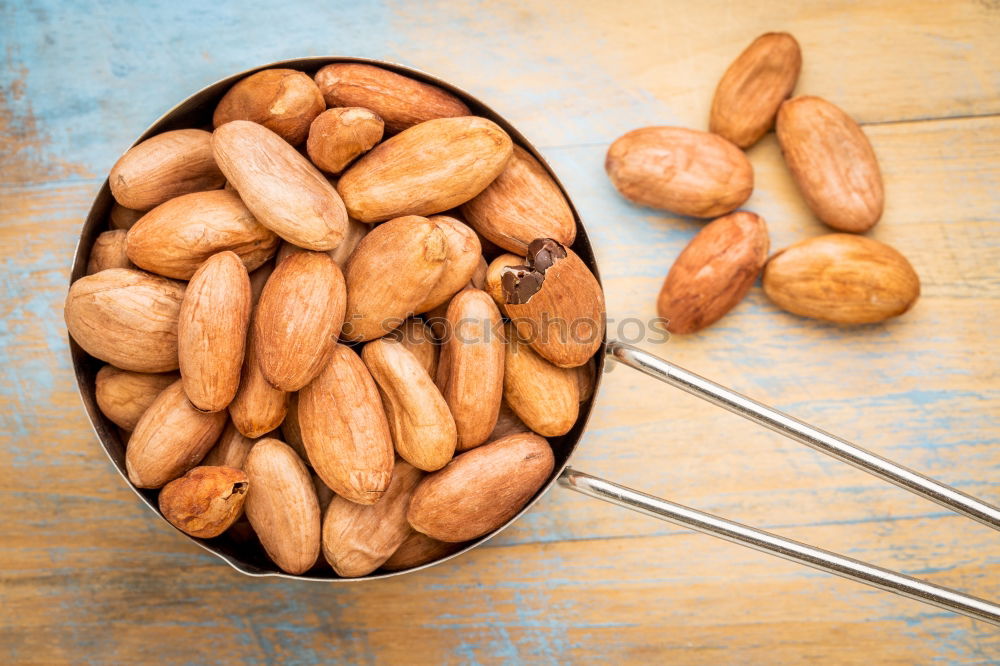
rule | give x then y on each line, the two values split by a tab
89	575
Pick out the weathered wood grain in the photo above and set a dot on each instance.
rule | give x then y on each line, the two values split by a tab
90	575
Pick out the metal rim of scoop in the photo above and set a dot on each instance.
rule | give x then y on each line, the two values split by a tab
196	111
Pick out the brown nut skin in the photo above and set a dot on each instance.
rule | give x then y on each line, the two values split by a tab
231	450
258	407
344	429
206	501
410	246
471	369
481	489
291	429
297	319
338	136
124	396
522	204
586	379
494	272
714	272
461	262
842	278
832	162
418	549
127	318
163	167
508	423
564	319
175	238
423	429
109	251
258	279
355	232
416	336
358	538
170	438
282	189
323	493
478	279
543	395
121	217
282	505
427	169
212	331
400	101
748	96
284	101
680	170
286	250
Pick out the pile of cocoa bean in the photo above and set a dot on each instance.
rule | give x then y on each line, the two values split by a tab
305	344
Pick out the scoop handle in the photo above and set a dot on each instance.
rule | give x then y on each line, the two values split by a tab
766	542
804	433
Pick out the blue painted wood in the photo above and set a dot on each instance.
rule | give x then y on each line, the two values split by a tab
91	576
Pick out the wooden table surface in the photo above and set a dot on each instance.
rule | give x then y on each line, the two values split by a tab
90	575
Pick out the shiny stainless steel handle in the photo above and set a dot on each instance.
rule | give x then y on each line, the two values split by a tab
802	432
817	558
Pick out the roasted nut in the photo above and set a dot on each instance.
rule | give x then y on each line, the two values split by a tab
494	275
122	217
545	396
357	538
399	100
355	232
163	167
463	256
413	247
124	396
175	238
714	272
418	549
258	407
212	331
422	426
109	251
338	136
832	163
258	279
556	303
231	450
297	319
415	336
206	501
344	429
282	189
842	278
481	489
126	318
471	369
680	170
522	204
750	92
508	422
282	506
291	429
284	101
170	438
427	169
586	379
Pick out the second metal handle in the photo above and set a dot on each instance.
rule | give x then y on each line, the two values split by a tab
817	558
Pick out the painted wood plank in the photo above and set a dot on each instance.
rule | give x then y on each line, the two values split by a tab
91	576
